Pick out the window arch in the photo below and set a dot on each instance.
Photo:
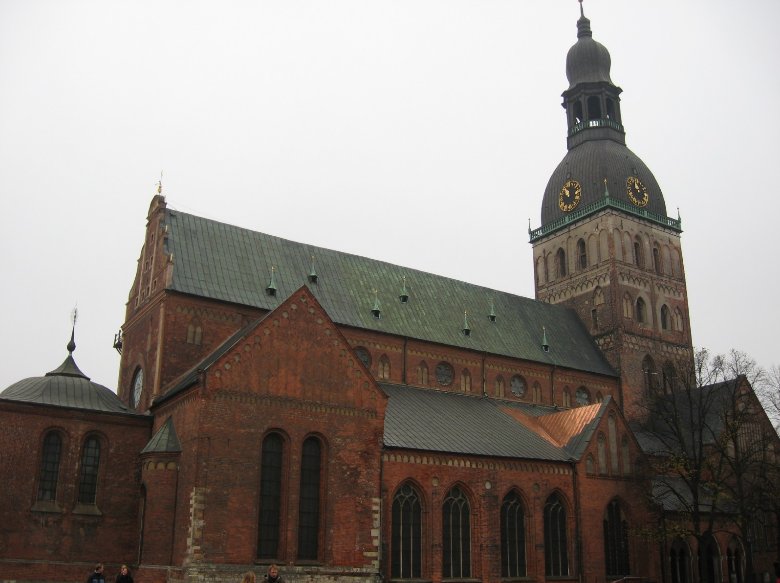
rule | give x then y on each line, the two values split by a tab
271	463
582	254
566	397
598	296
309	500
628	307
88	473
650	374
657	265
499	386
194	332
679	323
560	262
680	561
625	454
639	260
383	367
616	541
709	559
613	445
602	451
594	107
669	377
50	466
589	465
641	311
734	561
456	535
666	318
537	392
556	555
599	397
422	373
406	538
512	536
465	381
582	396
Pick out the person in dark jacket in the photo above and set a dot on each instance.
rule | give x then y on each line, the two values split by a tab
273	575
97	575
124	575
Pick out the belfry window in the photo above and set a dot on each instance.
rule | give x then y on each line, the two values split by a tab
560	262
578	112
638	259
611	109
641	311
594	107
582	254
406	541
665	318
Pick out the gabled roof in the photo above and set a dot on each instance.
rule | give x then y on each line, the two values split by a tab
165	440
574	427
439	421
228	263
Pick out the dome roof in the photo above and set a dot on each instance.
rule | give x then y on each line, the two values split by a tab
65	386
587	61
589	164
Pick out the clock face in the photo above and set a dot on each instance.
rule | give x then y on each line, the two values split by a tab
569	196
444	374
637	192
138	387
517	386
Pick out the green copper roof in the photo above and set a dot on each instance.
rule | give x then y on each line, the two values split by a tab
228	263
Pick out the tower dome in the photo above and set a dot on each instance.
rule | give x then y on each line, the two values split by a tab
65	386
598	169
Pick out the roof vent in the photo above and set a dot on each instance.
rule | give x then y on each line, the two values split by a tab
492	314
545	344
466	330
312	273
404	297
271	289
376	311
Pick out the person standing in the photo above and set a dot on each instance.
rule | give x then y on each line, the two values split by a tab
249	577
273	575
97	575
124	575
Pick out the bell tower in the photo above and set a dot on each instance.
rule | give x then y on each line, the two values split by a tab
606	247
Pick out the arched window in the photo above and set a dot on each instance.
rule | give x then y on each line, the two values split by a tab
657	260
582	254
194	332
611	111
628	307
650	374
638	258
594	107
88	474
465	381
566	397
602	451
383	367
679	323
709	559
456	535
582	396
499	386
613	445
670	377
406	541
616	541
599	397
50	466
364	355
598	297
589	467
271	460
680	561
512	536
560	262
641	311
537	393
556	555
309	503
422	374
734	561
625	453
578	112
666	321
517	386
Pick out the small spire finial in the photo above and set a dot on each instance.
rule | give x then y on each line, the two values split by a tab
159	183
312	272
606	189
466	328
545	343
73	317
404	297
376	311
582	11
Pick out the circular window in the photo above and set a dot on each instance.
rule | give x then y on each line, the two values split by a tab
582	396
138	387
364	356
517	386
444	374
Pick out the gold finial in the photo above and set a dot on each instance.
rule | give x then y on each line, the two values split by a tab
159	183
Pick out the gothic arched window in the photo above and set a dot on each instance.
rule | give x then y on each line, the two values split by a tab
628	307
309	500
50	466
88	474
422	374
641	311
666	322
383	368
499	386
465	381
556	555
406	538
616	541
512	536
680	561
560	262
638	258
734	561
456	535
582	254
271	459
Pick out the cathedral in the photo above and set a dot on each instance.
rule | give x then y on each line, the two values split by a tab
351	420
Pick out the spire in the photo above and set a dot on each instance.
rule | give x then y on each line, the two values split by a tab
68	367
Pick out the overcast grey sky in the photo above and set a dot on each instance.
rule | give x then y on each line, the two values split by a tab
420	132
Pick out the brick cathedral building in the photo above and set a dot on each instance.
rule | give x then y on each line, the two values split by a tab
356	421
